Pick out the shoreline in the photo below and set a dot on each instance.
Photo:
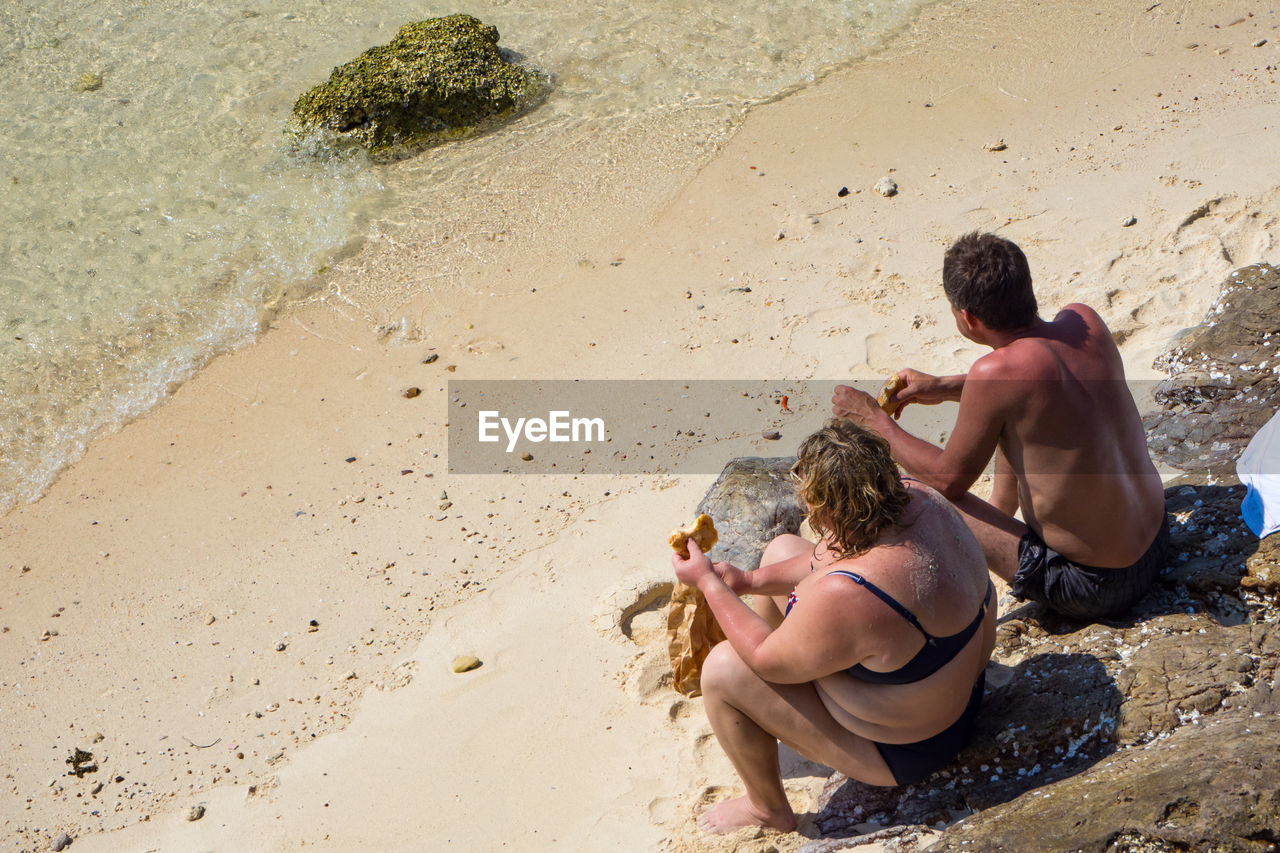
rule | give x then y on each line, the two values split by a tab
187	547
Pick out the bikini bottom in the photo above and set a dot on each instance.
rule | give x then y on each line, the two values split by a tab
911	762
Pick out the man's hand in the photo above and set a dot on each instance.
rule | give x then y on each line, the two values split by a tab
859	407
925	389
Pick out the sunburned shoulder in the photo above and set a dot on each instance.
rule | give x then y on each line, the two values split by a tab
1079	309
929	505
1027	358
1081	329
926	494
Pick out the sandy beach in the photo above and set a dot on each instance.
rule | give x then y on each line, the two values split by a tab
246	603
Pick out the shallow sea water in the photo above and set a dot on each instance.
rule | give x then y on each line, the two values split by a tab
162	218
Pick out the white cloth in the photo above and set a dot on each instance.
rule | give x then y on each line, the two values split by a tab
1259	469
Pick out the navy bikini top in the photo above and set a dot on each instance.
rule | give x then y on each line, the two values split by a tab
936	653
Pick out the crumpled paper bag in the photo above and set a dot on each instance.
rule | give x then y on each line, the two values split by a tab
691	632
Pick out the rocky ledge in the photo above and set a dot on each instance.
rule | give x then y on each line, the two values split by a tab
1153	732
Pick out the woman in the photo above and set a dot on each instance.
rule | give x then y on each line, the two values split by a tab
865	652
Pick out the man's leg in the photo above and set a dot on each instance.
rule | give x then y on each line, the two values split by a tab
749	716
996	532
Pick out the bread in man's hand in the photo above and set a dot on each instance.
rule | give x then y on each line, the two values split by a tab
895	384
702	531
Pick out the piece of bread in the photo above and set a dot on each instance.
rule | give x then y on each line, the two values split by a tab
702	531
894	384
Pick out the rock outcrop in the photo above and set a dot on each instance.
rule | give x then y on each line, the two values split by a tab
1155	731
1155	736
1224	376
752	501
437	80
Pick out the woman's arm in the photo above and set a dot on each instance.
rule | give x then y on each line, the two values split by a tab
805	647
775	578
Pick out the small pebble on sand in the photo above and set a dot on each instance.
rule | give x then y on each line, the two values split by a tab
887	187
1129	221
411	392
431	359
62	842
771	435
527	456
465	663
195	812
998	145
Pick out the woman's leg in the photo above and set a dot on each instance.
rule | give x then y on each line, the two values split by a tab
784	547
749	716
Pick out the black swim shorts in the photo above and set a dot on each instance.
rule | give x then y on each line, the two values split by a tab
911	762
1085	592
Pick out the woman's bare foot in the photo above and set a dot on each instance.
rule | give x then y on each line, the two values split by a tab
732	815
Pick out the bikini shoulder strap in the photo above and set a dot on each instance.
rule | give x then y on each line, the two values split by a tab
883	596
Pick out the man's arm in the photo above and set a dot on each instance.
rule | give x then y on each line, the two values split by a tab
927	390
953	469
1004	486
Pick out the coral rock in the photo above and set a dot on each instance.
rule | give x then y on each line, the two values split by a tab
437	80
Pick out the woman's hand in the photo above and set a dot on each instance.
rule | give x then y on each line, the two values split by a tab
698	567
734	578
691	569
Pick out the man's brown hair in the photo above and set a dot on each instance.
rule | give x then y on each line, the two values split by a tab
845	475
989	277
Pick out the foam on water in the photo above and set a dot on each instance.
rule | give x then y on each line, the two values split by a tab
155	221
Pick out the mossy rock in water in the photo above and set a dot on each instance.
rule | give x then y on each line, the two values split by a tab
437	80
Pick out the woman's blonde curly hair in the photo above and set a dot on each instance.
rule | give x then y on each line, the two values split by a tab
850	483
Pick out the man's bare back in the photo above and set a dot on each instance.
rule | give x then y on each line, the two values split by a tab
1050	403
1073	438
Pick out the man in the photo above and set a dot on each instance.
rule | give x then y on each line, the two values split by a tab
1050	402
